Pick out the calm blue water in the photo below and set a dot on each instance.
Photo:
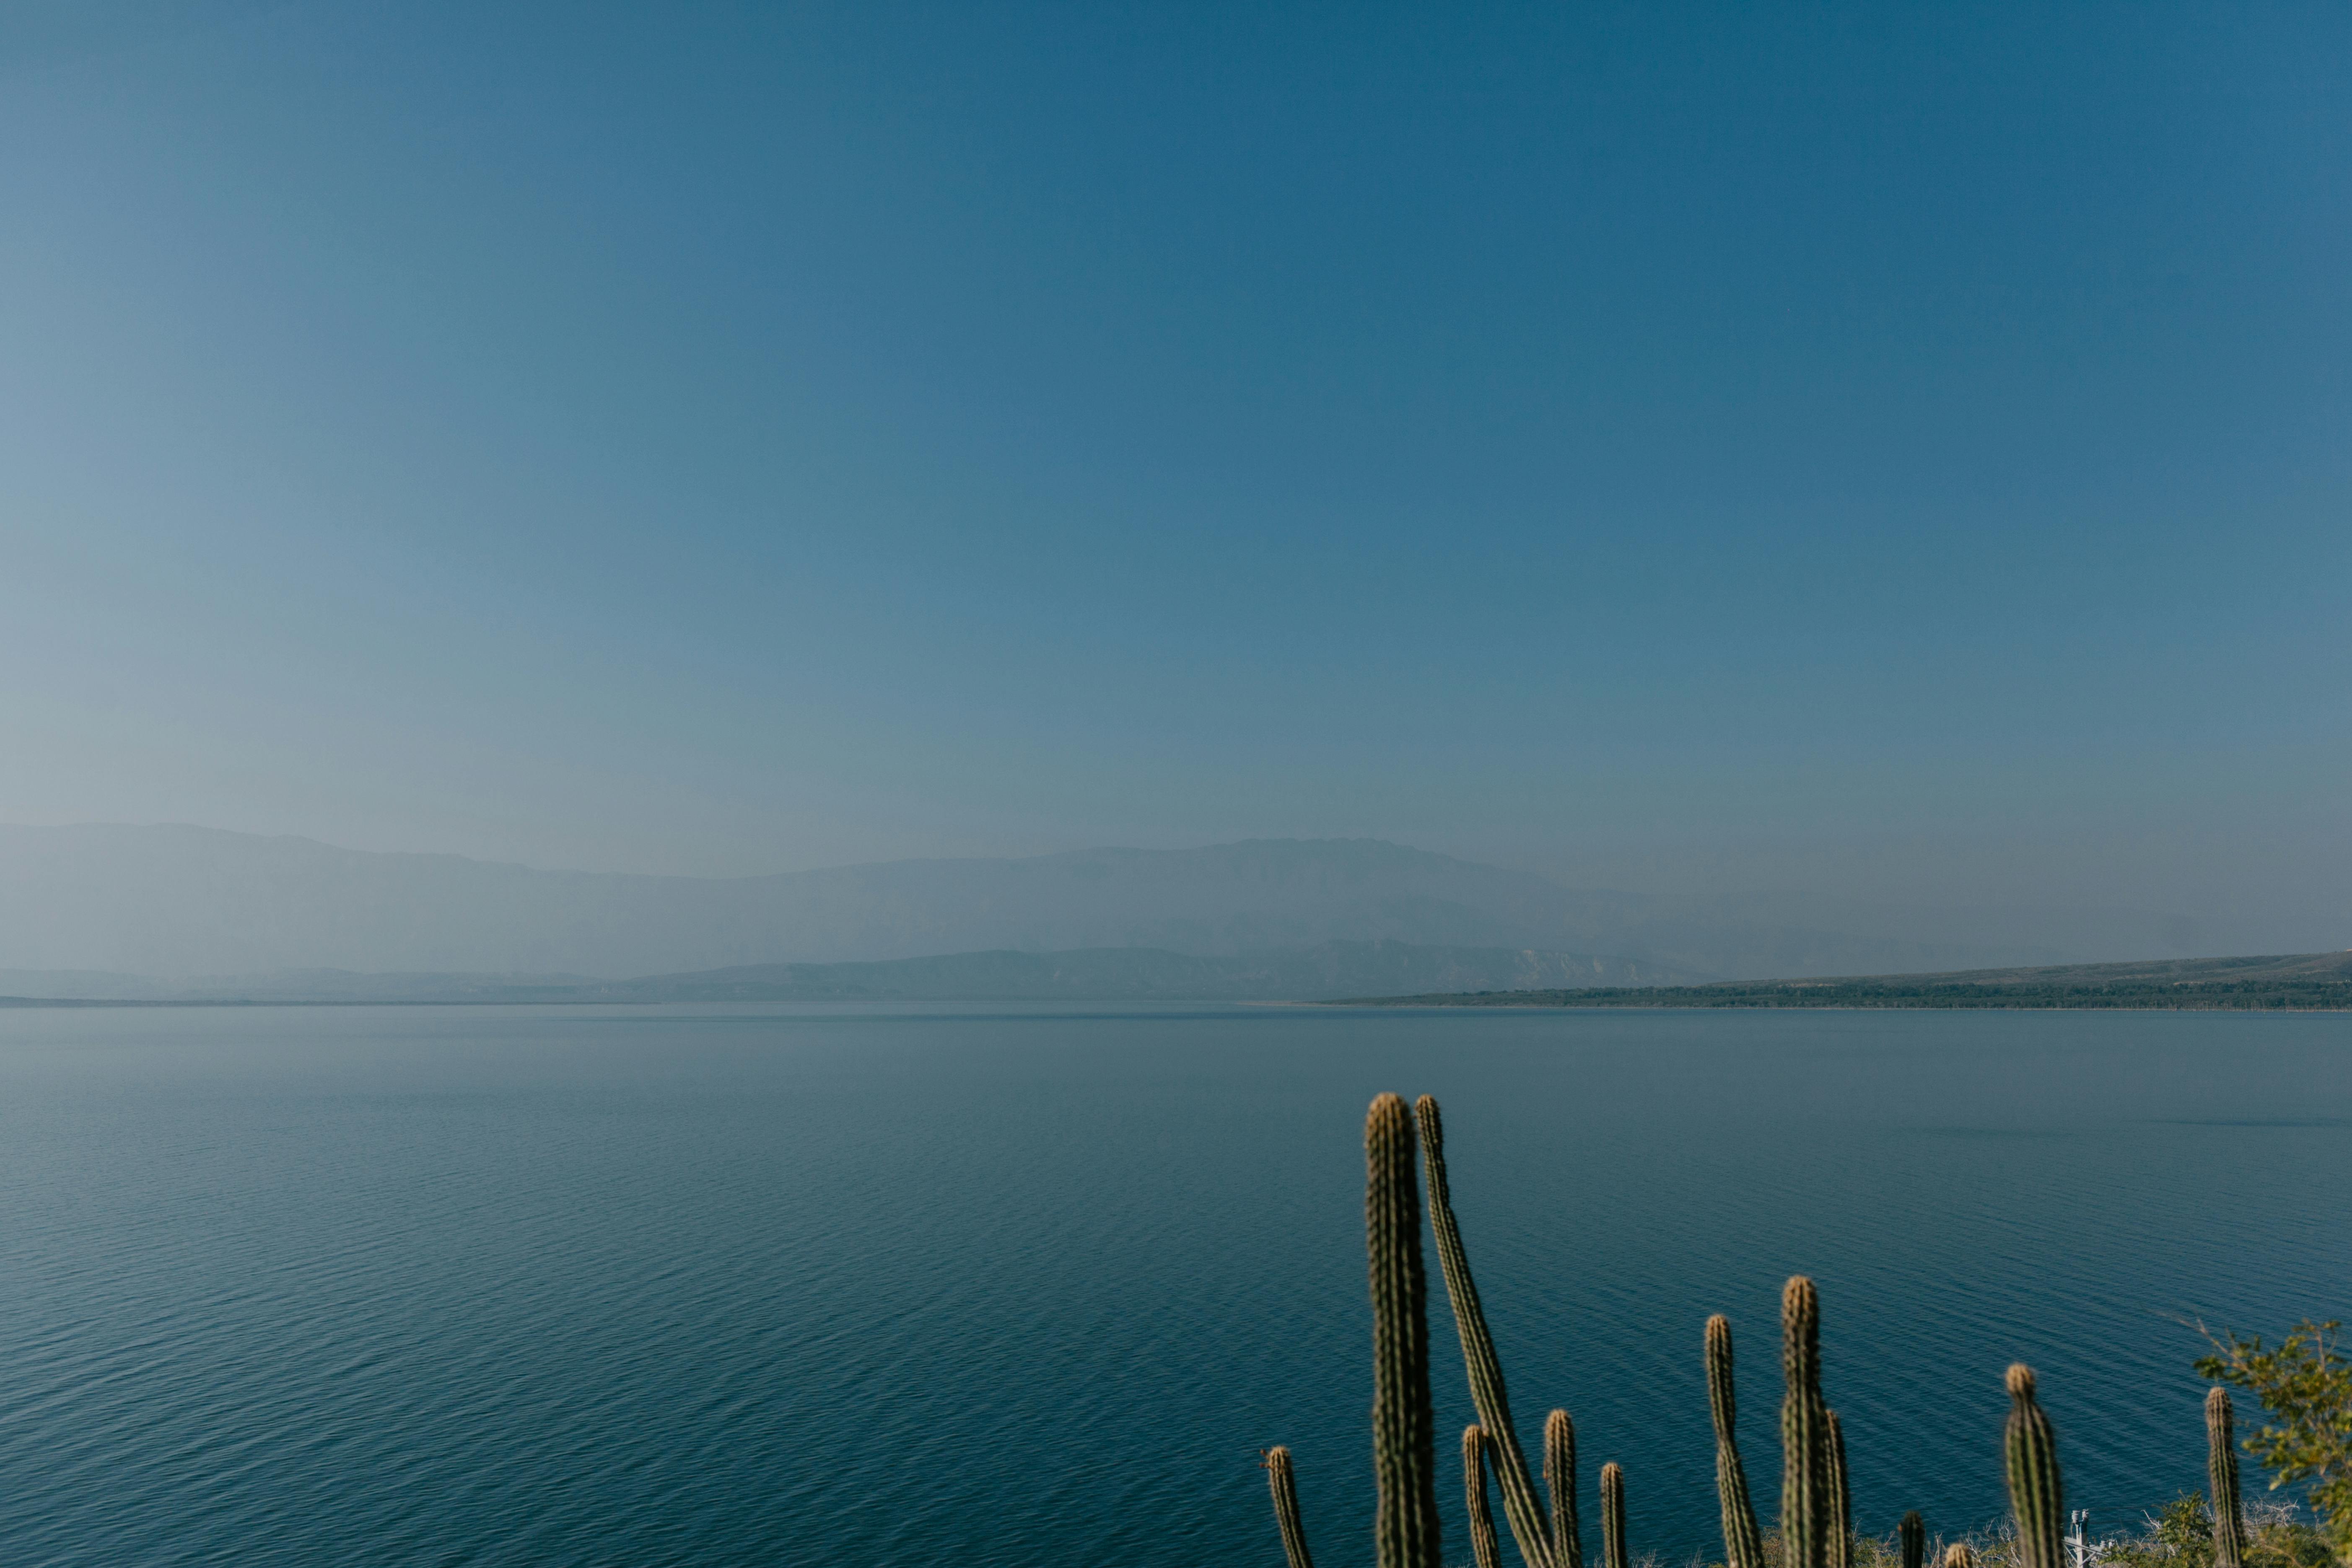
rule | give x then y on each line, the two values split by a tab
512	1286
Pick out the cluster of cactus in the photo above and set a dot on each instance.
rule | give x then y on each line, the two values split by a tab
1816	1507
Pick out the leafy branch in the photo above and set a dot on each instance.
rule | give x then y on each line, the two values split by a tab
2305	1385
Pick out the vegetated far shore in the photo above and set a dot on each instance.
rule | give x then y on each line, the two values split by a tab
2303	983
2298	982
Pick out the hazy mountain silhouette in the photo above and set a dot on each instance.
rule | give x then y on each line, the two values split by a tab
1325	970
1321	973
179	901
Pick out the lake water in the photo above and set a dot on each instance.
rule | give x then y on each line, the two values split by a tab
881	1286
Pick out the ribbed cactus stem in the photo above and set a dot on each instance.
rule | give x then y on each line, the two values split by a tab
1279	1480
1559	1480
1912	1533
1528	1526
1483	1543
1958	1555
1840	1500
1808	1504
2034	1491
1612	1517
2221	1469
1743	1539
1404	1445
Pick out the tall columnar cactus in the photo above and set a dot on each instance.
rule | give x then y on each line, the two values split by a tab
1528	1526
1913	1532
1612	1517
1405	1449
1841	1498
2221	1469
1559	1480
2033	1487
1743	1541
1278	1479
1808	1501
1483	1544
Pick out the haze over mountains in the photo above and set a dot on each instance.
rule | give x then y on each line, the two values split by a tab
179	901
1324	972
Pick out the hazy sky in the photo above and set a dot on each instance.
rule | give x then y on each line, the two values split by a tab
1894	448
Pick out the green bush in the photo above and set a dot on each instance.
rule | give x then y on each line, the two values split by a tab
2306	1385
2181	1536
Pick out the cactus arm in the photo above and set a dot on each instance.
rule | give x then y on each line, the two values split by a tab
1559	1480
2034	1491
1807	1508
1528	1526
1612	1517
1279	1481
2221	1468
1405	1445
1743	1541
1483	1543
1913	1532
1840	1500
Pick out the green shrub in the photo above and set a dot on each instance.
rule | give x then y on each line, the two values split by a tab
2305	1385
2181	1536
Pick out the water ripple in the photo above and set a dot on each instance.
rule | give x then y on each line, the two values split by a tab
744	1286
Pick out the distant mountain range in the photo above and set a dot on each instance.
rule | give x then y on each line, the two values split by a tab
1325	971
184	903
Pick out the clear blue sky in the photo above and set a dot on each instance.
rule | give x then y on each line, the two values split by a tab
1901	447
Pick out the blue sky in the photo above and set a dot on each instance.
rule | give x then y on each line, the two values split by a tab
1893	450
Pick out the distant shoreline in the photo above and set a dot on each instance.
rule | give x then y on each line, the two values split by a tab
1520	1002
27	1003
2298	983
2281	997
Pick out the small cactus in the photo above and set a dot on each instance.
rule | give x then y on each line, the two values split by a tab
1958	1555
1278	1479
1404	1450
1483	1544
1743	1541
1807	1508
1912	1533
1840	1500
2221	1468
1528	1526
1559	1480
2034	1491
1612	1517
